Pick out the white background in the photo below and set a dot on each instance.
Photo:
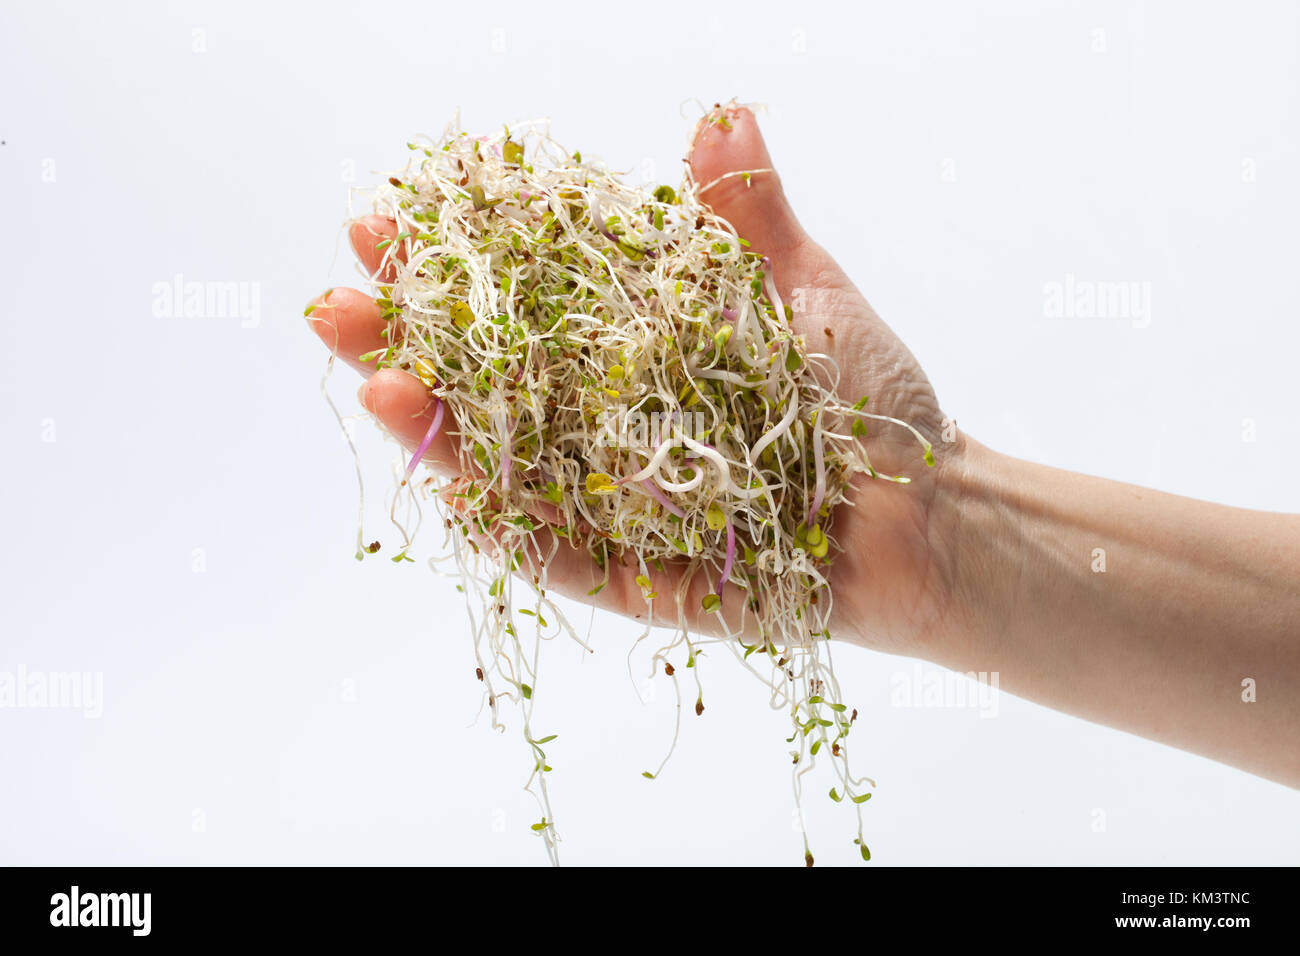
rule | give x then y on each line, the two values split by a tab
955	157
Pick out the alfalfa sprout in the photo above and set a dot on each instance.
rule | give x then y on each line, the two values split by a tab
619	375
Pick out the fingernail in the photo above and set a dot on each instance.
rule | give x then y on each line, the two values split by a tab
352	237
361	394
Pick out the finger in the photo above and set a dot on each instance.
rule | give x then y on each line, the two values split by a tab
368	236
727	140
574	573
350	324
571	571
404	405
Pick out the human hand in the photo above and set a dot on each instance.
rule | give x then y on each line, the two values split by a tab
891	580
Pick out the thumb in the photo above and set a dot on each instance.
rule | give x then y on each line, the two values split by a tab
727	140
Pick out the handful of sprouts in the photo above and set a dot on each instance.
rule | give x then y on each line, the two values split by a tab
619	375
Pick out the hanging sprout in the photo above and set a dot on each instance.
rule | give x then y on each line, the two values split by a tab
619	375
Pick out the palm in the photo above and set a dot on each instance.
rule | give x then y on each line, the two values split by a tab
885	584
883	579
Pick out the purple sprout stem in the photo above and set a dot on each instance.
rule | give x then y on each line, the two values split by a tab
731	555
439	410
819	490
655	492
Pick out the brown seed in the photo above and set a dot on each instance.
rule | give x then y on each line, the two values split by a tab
478	672
699	707
854	715
829	333
668	669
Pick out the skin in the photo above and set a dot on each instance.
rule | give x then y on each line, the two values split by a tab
984	562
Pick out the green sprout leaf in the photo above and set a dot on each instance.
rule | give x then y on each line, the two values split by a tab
461	314
480	200
715	518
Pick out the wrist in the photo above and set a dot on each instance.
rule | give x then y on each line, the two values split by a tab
972	528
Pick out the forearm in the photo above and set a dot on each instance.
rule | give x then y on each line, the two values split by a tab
1149	612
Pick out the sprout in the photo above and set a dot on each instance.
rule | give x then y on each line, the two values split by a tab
536	294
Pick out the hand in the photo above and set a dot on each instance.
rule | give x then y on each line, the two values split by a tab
983	563
890	583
